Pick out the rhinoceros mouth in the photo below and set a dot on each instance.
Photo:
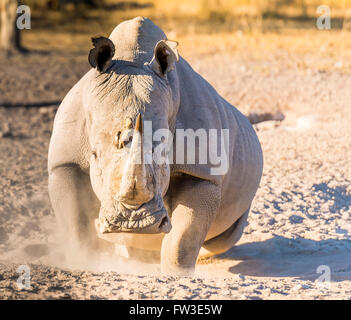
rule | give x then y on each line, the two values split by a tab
151	217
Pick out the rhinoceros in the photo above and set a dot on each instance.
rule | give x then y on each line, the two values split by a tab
101	193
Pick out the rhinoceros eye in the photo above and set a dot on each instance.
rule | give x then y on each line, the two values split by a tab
94	154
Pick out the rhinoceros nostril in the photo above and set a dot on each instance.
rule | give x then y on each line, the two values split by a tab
165	225
163	222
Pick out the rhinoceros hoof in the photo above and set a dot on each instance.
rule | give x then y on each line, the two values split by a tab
176	270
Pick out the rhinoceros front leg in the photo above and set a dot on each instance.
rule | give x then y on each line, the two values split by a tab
75	206
194	205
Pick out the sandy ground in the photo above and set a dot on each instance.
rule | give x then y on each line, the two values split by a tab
300	219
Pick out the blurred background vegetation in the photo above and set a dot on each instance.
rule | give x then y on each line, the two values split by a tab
188	15
201	26
62	23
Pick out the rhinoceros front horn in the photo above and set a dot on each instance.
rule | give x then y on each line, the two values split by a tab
137	186
101	55
139	124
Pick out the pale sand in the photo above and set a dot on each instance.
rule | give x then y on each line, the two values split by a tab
300	219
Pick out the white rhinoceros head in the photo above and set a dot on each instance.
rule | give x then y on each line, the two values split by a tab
122	101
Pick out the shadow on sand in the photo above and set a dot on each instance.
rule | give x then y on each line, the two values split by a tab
53	103
284	257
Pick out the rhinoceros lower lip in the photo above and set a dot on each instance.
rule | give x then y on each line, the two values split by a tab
150	218
155	223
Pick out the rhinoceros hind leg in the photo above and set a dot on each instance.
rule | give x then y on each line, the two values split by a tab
227	239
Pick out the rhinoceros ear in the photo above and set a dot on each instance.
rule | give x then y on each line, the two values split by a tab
101	55
165	57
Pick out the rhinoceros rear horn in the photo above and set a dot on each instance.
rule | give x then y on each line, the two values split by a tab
101	55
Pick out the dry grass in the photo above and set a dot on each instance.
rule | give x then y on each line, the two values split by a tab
320	50
224	14
283	23
220	50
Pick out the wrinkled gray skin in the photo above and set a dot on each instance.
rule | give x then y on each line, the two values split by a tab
100	195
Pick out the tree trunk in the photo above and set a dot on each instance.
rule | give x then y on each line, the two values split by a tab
10	34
